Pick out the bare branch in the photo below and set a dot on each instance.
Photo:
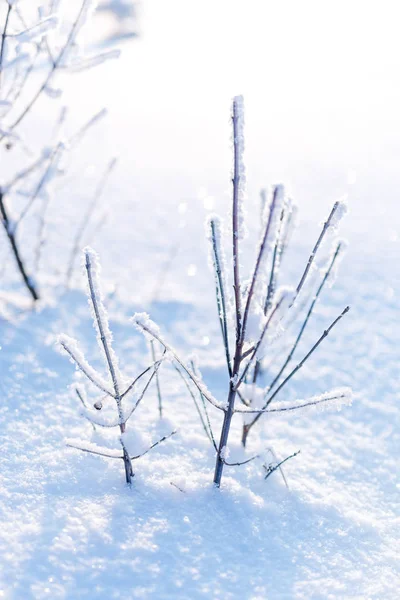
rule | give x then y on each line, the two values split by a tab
166	437
85	367
238	464
153	355
305	322
220	293
317	245
90	451
10	231
192	376
271	469
134	382
207	432
260	255
138	401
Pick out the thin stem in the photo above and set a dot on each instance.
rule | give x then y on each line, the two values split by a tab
205	409
138	401
315	249
134	382
196	405
78	393
258	262
311	403
153	354
297	367
53	68
260	341
305	322
206	395
93	451
107	352
3	38
274	265
220	294
271	469
85	371
103	339
244	462
235	219
166	437
10	231
39	186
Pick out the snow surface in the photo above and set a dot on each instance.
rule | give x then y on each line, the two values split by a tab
69	527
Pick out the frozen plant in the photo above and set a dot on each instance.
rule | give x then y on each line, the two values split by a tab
125	394
40	42
254	321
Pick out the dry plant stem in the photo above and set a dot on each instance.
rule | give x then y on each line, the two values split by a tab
258	264
55	64
10	231
182	364
258	344
90	451
246	428
3	39
205	427
39	186
235	221
219	465
205	409
138	401
305	322
78	393
127	461
315	249
221	302
84	371
128	389
274	266
153	355
271	470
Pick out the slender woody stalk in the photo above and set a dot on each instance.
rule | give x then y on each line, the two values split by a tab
248	426
10	231
111	366
219	464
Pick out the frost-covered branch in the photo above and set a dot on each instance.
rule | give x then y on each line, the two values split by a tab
272	468
214	235
153	356
10	231
306	320
205	426
145	325
104	338
338	211
166	437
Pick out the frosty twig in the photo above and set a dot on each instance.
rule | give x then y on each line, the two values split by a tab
69	345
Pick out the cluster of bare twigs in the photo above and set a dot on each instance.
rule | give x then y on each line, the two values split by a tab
116	386
37	46
261	300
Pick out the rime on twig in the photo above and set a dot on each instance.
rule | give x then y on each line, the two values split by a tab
10	231
115	387
260	301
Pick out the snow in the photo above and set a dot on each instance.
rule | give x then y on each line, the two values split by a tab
69	527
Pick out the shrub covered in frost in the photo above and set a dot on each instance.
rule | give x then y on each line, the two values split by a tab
123	393
39	43
255	316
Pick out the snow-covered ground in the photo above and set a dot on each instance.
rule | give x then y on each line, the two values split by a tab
322	92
